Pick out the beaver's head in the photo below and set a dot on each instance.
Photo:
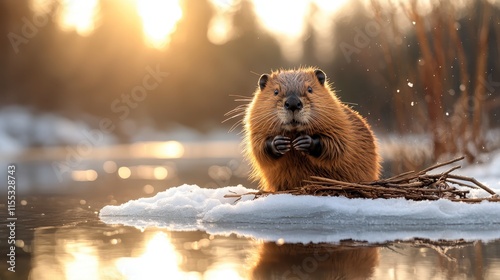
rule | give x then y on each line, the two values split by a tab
294	95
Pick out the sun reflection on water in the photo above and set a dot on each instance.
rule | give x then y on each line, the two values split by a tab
84	175
168	149
124	172
109	166
159	259
222	271
147	172
116	252
122	253
83	258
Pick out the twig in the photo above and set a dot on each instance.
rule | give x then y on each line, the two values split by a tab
409	185
441	164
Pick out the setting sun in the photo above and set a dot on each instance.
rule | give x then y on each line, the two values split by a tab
159	20
79	15
289	21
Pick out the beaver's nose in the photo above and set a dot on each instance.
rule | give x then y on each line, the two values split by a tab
293	103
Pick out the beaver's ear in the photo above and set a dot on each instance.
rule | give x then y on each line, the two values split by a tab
321	76
263	81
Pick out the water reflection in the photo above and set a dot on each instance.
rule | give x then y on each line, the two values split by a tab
80	257
124	172
315	261
146	172
168	149
68	252
114	168
109	166
159	258
223	271
96	251
84	175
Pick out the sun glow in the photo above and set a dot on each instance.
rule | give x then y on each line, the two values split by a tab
79	15
157	149
159	258
83	258
289	21
220	28
159	20
84	175
287	25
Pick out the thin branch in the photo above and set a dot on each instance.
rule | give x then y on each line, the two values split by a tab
442	164
408	185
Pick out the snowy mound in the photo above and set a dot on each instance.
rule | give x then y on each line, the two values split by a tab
307	218
21	128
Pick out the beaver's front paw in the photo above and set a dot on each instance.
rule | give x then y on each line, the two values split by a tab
308	144
278	145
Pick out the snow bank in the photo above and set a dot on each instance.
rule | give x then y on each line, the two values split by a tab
20	128
307	218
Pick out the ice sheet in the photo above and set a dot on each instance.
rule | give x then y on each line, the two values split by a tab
307	218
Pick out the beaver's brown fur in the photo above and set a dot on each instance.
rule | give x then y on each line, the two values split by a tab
296	127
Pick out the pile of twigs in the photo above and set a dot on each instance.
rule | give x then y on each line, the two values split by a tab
410	185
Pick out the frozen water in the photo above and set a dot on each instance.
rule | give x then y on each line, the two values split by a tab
20	128
315	219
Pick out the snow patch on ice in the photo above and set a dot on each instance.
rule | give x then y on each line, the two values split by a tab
306	218
317	219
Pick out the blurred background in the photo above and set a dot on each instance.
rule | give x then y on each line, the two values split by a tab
129	97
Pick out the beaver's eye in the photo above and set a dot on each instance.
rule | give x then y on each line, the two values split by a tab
276	92
309	89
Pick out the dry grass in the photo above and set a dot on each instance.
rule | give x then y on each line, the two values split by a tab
440	50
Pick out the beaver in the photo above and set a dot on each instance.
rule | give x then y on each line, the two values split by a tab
296	127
